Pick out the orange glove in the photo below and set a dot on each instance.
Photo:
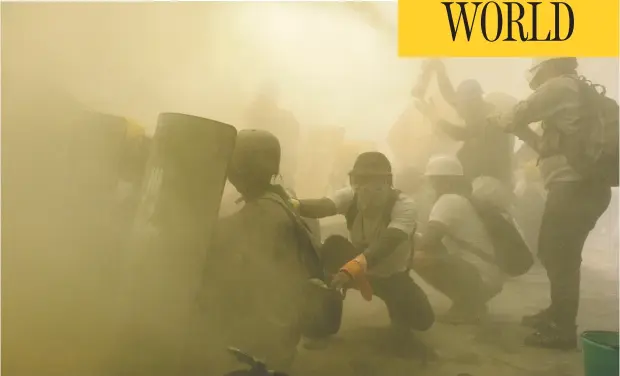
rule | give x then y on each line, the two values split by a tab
356	269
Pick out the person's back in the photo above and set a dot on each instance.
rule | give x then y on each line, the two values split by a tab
576	194
267	279
262	262
467	235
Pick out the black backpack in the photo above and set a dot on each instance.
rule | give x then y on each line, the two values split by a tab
512	253
351	214
593	150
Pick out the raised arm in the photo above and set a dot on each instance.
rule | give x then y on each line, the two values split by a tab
443	81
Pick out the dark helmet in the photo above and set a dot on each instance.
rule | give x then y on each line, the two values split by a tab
371	166
371	163
255	161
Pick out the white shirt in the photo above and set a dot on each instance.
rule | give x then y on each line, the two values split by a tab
466	229
366	230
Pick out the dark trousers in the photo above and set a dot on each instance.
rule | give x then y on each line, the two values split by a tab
458	280
407	304
571	212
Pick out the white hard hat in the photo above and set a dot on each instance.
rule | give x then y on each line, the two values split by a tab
444	165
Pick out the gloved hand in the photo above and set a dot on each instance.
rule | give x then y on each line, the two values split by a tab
295	204
354	272
340	280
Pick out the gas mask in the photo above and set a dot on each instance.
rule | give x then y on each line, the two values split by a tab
372	193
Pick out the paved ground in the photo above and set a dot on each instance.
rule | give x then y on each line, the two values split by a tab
494	349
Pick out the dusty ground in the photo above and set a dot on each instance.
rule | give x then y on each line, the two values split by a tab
493	349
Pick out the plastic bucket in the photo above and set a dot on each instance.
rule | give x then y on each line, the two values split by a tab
600	353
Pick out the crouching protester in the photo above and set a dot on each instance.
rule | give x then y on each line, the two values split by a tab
470	242
266	286
578	161
381	222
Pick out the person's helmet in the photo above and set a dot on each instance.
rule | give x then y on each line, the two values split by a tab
369	167
539	63
469	88
372	163
444	165
256	157
469	98
134	130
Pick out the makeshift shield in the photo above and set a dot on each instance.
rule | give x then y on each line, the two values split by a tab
171	237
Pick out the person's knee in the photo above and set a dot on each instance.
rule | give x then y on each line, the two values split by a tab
425	321
423	315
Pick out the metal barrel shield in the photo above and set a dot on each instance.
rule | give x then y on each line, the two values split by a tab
169	244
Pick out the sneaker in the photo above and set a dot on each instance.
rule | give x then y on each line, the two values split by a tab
537	320
553	337
406	344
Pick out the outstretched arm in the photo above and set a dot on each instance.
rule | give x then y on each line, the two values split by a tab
338	203
317	208
560	95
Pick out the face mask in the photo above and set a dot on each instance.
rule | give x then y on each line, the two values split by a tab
372	197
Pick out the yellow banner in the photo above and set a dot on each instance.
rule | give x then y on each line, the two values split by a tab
433	28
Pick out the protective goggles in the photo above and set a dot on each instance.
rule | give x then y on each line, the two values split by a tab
363	180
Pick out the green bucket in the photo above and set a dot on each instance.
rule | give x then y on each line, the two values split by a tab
600	353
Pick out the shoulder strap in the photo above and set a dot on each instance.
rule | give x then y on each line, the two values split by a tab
351	214
389	207
304	237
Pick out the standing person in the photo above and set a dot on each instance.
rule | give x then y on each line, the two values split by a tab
455	253
569	108
381	222
265	257
265	113
486	151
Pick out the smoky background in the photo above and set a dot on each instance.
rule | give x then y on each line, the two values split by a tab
336	65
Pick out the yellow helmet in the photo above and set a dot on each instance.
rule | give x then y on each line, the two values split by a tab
134	130
530	171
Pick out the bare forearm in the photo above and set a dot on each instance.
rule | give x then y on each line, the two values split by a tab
384	246
317	208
